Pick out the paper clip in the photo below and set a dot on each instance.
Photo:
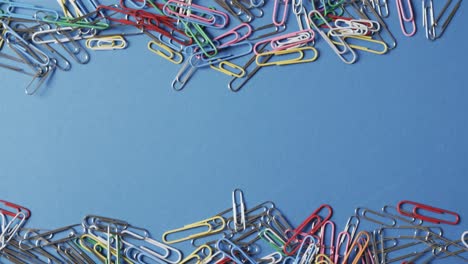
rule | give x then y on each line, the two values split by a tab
104	250
115	42
273	239
365	11
165	52
291	245
229	68
417	207
101	223
234	252
327	248
307	251
353	27
235	32
214	225
18	208
428	14
166	253
276	10
343	241
200	255
378	6
203	42
39	13
183	75
24	49
377	217
464	238
323	259
52	237
287	41
299	59
238	201
196	13
369	39
140	255
431	24
404	18
10	230
360	244
339	53
302	19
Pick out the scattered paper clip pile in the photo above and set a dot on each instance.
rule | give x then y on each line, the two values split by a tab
243	235
182	31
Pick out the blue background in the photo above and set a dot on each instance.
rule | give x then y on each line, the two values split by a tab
112	138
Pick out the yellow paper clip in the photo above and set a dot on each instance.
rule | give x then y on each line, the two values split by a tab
200	255
106	43
323	259
226	66
214	225
165	52
363	48
299	59
65	9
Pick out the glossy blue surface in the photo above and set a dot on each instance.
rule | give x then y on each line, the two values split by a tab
112	138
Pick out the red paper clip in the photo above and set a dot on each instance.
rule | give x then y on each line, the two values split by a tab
147	21
422	207
19	209
299	231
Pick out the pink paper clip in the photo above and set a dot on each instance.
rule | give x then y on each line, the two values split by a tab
276	9
327	247
344	238
287	41
403	18
418	207
235	32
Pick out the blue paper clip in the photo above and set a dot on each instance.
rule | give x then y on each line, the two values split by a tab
234	252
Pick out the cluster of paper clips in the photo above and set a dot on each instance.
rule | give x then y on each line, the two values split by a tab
408	233
198	36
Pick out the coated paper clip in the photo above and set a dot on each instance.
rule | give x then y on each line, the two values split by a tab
18	208
291	245
360	244
214	225
422	207
406	18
